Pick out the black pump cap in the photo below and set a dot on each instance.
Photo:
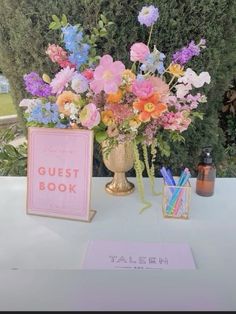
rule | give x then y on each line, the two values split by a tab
206	155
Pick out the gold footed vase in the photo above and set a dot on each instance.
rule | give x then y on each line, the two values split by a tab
119	160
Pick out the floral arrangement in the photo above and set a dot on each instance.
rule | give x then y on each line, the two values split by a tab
139	103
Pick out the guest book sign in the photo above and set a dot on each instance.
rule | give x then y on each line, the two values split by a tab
137	255
60	173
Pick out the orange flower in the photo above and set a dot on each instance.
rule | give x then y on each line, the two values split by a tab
150	107
107	117
114	97
67	97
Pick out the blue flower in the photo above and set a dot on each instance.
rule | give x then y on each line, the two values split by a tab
154	62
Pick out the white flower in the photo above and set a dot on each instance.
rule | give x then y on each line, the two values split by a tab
191	77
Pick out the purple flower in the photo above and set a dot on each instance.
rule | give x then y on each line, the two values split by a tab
185	54
148	15
35	85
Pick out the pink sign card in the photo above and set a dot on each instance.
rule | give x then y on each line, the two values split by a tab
137	255
60	173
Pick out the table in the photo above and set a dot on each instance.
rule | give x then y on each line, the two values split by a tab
40	257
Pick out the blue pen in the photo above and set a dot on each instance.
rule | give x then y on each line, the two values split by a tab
171	177
167	179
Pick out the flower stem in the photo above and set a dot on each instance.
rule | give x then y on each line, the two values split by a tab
150	34
138	169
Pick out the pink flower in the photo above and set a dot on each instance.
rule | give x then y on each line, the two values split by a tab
138	52
66	63
160	87
61	80
88	74
89	116
176	121
142	88
56	53
107	75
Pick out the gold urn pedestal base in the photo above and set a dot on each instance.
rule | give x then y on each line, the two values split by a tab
119	185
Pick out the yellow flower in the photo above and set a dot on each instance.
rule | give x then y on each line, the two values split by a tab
134	122
128	77
175	69
107	117
114	97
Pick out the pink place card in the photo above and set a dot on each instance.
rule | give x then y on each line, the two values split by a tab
59	173
137	255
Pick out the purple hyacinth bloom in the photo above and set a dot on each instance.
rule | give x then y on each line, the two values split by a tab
185	54
35	85
148	15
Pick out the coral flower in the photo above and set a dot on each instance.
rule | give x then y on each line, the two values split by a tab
176	69
107	75
114	97
107	117
150	108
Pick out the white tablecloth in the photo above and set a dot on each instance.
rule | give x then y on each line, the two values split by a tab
40	257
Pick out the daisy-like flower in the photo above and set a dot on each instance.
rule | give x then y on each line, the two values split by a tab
62	80
150	108
148	15
107	75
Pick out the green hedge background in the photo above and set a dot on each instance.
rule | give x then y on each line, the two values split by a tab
24	36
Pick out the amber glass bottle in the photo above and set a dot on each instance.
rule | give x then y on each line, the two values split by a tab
206	174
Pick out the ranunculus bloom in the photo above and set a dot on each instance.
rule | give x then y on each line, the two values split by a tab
107	75
142	88
138	52
89	116
67	97
150	108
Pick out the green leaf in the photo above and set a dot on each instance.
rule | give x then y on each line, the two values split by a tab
56	19
11	151
53	25
64	21
103	32
100	136
104	19
100	23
